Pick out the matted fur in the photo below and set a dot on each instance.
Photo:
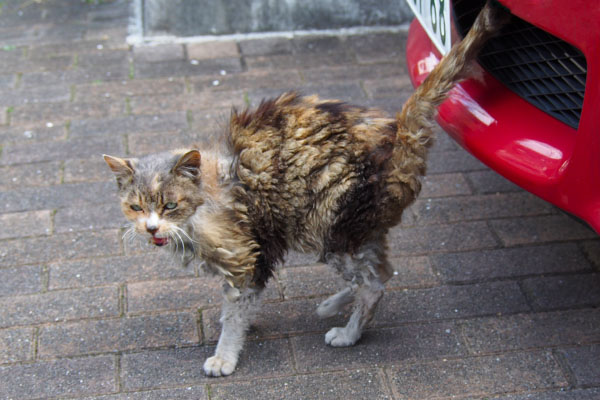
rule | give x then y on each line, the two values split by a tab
301	173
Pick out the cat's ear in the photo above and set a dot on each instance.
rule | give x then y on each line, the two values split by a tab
122	168
188	165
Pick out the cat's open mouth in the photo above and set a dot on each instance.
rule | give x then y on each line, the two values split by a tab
159	241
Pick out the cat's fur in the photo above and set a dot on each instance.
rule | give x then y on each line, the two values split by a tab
302	173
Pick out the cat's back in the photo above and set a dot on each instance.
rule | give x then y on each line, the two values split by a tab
299	157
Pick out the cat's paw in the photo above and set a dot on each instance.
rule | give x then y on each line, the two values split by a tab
341	337
216	366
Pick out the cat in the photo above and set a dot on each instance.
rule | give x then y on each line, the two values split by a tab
300	173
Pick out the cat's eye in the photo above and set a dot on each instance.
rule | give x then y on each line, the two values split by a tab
135	207
170	205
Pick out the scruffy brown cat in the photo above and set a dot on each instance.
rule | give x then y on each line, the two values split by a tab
302	173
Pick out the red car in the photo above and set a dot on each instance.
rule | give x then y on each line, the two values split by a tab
534	114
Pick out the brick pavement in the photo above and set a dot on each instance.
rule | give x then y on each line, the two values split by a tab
496	293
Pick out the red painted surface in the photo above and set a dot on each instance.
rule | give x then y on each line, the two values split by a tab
522	143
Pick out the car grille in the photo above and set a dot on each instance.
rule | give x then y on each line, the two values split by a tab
541	68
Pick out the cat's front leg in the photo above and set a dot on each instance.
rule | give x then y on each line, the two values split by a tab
239	306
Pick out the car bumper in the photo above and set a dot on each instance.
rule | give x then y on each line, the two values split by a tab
524	144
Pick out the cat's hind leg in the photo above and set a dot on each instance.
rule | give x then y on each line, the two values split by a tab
371	269
238	309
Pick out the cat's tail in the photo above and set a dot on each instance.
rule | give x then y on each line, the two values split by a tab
415	121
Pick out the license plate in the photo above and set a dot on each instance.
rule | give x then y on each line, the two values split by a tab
434	16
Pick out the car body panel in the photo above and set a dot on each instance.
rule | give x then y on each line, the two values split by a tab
529	147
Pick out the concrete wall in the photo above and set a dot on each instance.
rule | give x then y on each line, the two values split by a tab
216	17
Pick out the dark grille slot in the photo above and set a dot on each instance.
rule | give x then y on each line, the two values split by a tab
543	69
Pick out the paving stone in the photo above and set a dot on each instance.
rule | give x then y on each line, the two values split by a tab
102	271
87	170
185	393
388	87
478	207
248	81
16	344
591	248
187	68
35	95
381	47
563	291
362	384
59	247
448	302
489	181
444	185
161	52
310	281
207	50
583	394
583	362
59	150
97	216
482	376
513	262
59	378
412	272
31	115
461	236
32	134
127	88
352	72
174	104
59	306
38	174
552	228
135	333
293	61
453	161
265	47
23	224
57	196
131	124
173	294
147	369
380	348
140	144
531	331
20	280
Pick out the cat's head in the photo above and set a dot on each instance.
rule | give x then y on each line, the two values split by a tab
159	192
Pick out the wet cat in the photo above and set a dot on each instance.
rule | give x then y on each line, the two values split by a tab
301	173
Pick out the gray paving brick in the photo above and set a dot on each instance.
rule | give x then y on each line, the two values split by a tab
117	126
479	377
59	378
563	291
530	331
591	248
513	262
187	68
292	61
34	133
207	50
31	115
87	170
21	280
140	144
453	161
540	229
102	271
185	393
59	150
16	344
35	95
57	196
59	306
489	181
444	185
380	348
265	47
478	207
59	247
147	369
450	302
38	174
94	217
362	384
461	236
382	47
350	92
310	281
583	362
249	81
23	224
126	88
104	336
583	394
412	272
162	52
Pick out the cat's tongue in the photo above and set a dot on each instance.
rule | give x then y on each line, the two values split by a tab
159	241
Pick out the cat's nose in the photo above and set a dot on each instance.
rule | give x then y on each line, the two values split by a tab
151	229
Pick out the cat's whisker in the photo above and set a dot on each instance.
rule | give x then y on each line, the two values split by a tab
185	234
